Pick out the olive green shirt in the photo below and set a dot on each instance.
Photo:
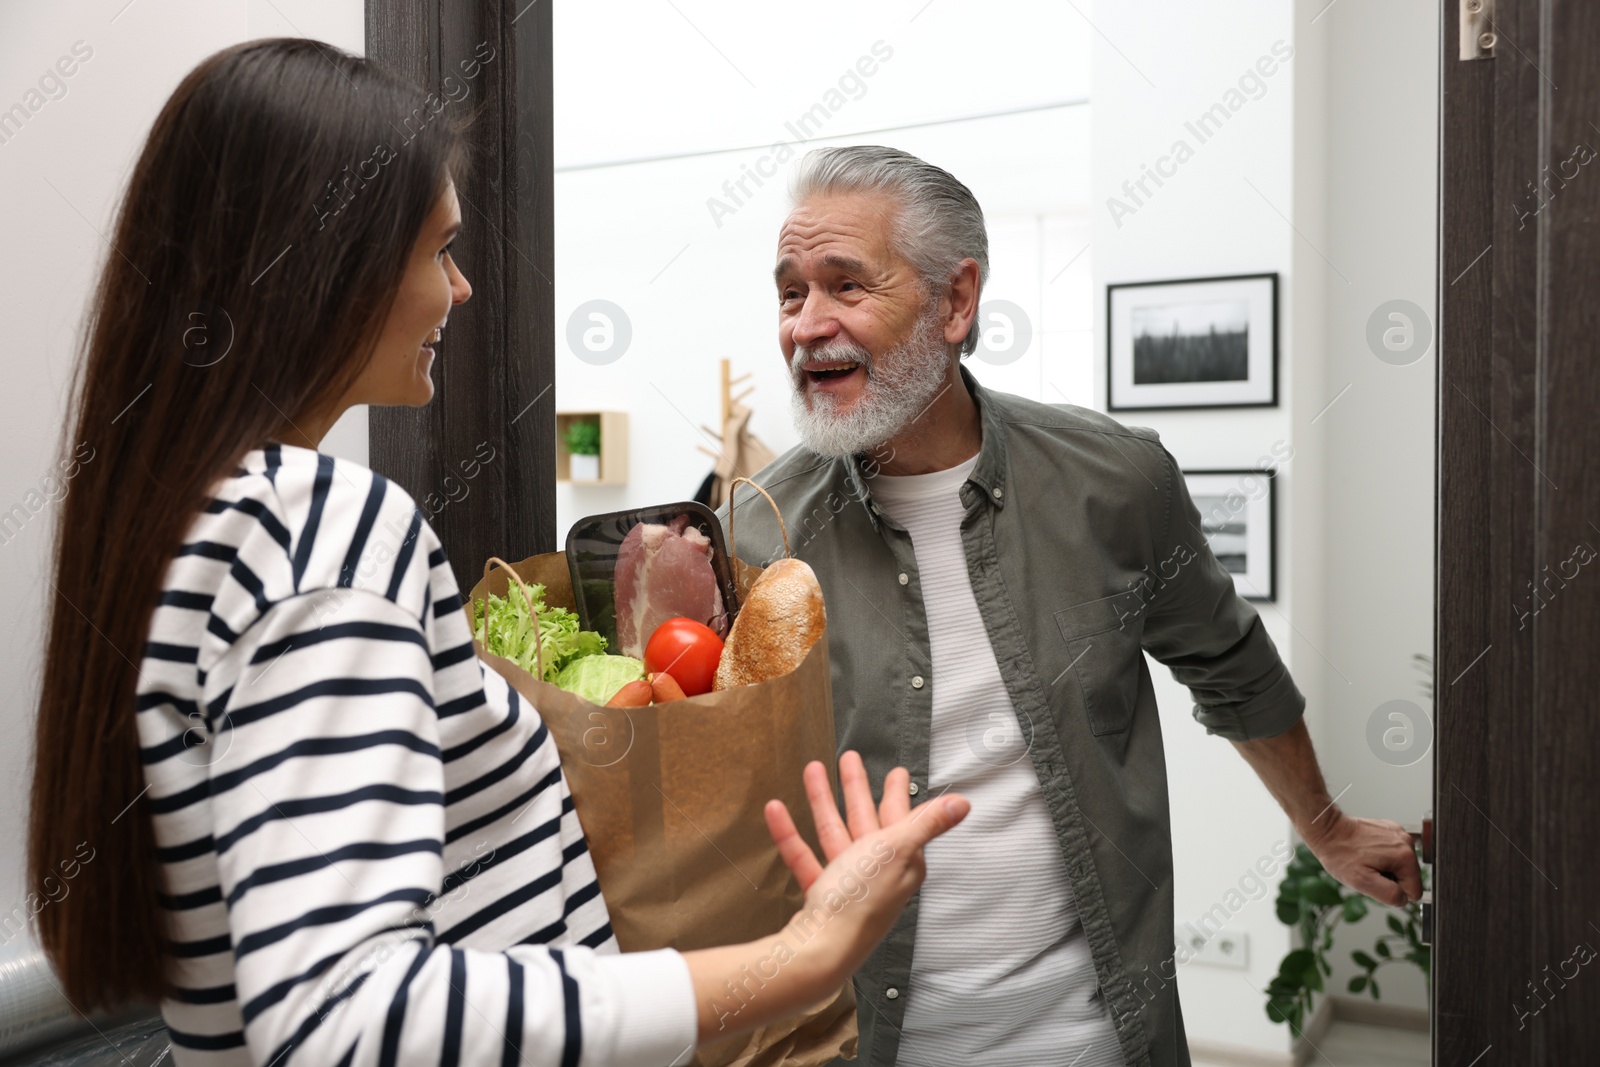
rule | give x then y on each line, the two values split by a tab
1083	548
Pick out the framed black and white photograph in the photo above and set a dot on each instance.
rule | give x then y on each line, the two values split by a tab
1199	343
1239	519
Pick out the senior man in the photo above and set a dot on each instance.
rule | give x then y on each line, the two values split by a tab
994	569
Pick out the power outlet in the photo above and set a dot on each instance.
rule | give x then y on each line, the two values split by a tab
1222	949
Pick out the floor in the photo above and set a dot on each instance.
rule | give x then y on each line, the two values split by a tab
1350	1044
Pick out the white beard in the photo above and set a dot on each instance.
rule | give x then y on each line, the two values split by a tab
901	384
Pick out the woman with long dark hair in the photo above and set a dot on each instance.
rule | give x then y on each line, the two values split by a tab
321	832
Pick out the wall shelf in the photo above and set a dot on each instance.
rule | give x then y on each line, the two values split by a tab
613	446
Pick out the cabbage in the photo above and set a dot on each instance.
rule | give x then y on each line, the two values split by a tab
506	628
597	678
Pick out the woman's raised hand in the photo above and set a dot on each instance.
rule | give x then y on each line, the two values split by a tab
874	864
874	859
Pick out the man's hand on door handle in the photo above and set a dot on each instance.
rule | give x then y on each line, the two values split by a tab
1371	856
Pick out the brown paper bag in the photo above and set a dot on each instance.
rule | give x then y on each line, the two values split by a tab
671	798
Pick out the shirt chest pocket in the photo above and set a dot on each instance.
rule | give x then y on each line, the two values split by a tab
1103	653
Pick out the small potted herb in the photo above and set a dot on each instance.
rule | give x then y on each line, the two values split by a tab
583	450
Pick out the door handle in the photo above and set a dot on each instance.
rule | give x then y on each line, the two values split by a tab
1423	839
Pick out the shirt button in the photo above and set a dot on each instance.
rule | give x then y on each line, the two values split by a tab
916	683
997	493
904	578
892	993
912	789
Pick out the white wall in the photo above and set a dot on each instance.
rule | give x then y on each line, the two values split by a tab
1381	179
61	176
642	237
1328	179
1157	67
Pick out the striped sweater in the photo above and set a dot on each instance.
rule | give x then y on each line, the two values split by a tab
369	854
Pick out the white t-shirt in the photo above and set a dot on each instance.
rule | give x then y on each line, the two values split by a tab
1001	971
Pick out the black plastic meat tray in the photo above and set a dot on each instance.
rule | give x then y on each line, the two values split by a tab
592	546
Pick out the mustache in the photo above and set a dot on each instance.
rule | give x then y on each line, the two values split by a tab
838	349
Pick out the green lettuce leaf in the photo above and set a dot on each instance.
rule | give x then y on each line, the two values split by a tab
506	628
597	678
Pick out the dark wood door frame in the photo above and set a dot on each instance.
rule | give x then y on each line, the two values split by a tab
480	458
1517	789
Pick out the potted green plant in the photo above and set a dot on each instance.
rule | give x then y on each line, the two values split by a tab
1313	902
583	449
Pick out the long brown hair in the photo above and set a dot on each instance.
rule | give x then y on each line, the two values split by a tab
264	233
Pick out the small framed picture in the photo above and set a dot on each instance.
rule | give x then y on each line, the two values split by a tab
1239	519
1200	343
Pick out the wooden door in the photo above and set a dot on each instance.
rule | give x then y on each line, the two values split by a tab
1517	786
480	459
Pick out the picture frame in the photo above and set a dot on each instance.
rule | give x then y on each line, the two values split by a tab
1192	343
1238	514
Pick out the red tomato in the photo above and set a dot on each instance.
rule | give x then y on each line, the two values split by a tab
687	650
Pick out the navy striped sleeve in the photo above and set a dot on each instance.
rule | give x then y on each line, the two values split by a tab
327	796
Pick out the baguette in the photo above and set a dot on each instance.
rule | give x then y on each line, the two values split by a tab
781	618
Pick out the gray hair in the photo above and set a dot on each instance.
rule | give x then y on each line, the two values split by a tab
939	224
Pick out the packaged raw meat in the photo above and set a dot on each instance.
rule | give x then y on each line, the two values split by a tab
633	570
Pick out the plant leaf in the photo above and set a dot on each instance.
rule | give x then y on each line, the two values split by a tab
1363	960
1374	988
1296	963
1394	924
1321	890
1288	910
1355	908
1383	949
1358	983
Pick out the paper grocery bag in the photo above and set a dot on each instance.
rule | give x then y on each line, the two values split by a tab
671	799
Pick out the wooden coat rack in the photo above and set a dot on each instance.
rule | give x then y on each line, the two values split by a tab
728	401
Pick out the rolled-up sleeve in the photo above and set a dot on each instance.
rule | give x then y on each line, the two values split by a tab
1211	638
